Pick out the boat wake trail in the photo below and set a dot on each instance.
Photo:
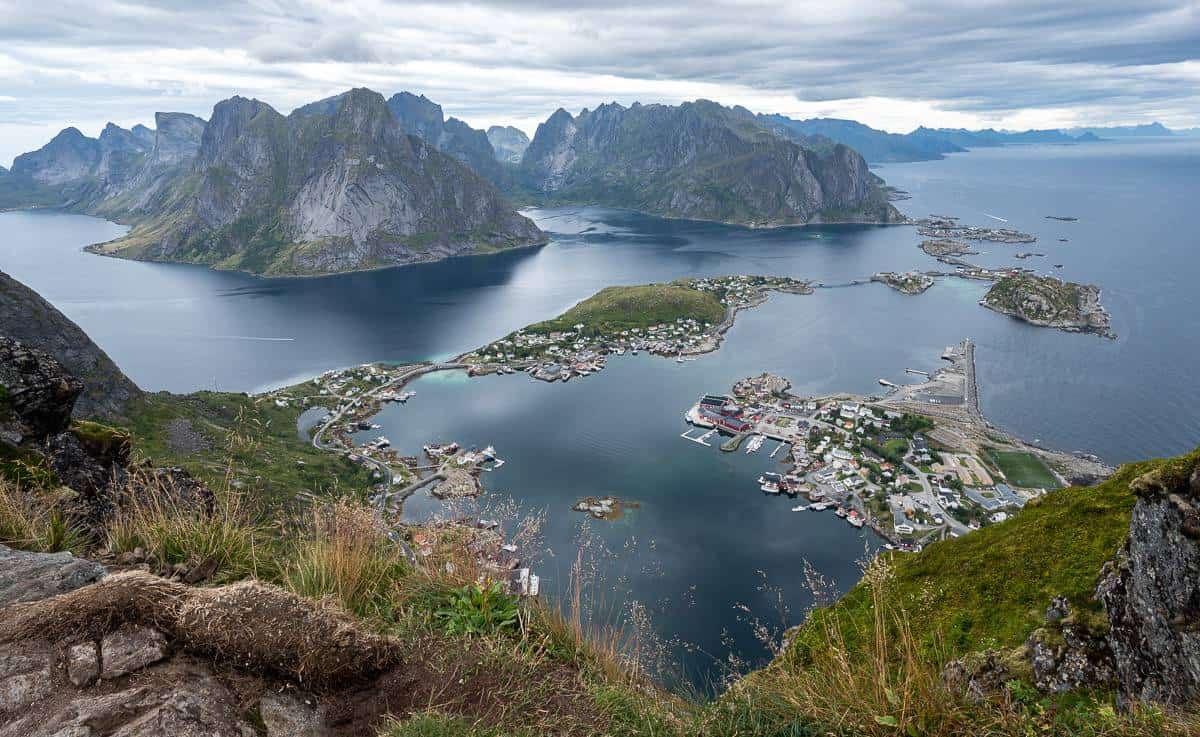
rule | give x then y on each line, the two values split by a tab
993	217
247	337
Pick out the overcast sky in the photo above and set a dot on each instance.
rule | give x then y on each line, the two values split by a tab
889	63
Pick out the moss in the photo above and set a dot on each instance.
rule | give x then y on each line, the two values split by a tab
102	440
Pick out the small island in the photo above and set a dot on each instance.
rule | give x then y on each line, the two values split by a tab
1050	302
947	227
947	250
910	282
687	317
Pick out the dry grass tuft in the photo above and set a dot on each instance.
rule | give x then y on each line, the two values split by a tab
346	554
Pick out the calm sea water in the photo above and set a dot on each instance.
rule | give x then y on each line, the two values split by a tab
703	540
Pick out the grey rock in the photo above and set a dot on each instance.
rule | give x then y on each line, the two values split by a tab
83	664
977	675
287	715
1067	654
508	142
26	317
1151	592
130	649
33	576
26	676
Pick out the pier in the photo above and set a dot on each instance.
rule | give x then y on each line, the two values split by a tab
701	439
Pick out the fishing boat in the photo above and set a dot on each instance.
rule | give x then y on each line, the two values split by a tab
799	508
819	506
840	512
770	488
755	443
856	520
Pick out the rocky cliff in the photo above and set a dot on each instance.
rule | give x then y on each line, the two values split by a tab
27	317
335	186
698	160
423	118
1151	591
508	142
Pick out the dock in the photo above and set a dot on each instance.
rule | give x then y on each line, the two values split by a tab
778	448
701	439
735	442
918	372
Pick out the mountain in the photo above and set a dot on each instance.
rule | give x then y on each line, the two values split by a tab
27	317
874	145
698	160
509	143
334	186
421	117
989	136
1126	131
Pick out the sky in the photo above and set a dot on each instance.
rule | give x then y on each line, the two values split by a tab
893	64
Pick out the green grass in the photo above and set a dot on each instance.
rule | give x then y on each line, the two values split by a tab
990	589
245	440
1023	469
623	308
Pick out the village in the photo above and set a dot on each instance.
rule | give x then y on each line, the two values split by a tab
876	461
552	352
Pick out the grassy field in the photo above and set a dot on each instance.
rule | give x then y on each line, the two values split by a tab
623	308
218	435
1023	469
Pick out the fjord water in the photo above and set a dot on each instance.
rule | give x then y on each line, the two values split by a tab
693	549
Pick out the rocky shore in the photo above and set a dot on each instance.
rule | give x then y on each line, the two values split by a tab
910	282
1049	302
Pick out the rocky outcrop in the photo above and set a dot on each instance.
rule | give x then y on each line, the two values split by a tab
81	468
34	576
698	160
1070	651
335	186
1048	302
1151	592
26	317
508	142
137	656
421	117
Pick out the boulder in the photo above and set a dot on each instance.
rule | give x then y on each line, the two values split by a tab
33	576
288	715
130	649
83	664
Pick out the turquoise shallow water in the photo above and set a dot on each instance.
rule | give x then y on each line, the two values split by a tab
693	550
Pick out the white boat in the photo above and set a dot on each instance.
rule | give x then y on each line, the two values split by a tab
799	508
755	443
818	507
489	452
770	488
856	522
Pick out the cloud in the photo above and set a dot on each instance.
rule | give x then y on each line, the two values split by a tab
890	63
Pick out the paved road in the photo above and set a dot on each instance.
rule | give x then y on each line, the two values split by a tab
396	382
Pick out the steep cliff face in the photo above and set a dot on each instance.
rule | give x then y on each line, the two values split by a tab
70	156
27	317
698	160
1151	592
172	149
508	142
423	118
337	185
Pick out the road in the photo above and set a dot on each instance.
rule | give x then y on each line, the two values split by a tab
353	403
